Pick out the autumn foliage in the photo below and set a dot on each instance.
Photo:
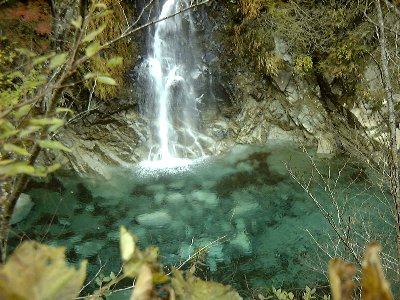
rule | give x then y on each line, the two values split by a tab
28	23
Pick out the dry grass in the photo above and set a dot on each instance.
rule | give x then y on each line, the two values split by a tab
251	8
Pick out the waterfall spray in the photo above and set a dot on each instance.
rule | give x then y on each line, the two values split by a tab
172	68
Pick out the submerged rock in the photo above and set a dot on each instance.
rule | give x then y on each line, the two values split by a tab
241	243
206	197
155	219
89	248
22	208
175	198
245	208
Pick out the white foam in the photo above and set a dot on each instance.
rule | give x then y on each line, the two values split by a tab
171	165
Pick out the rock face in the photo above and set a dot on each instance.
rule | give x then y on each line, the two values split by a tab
241	107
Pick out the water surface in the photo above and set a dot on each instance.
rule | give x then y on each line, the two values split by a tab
269	232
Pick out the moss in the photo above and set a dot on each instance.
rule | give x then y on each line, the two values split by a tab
323	36
16	82
127	49
303	65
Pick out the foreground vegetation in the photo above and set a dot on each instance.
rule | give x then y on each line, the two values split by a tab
35	88
36	271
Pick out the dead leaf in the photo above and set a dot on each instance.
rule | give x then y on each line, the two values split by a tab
144	284
341	279
39	272
374	284
193	288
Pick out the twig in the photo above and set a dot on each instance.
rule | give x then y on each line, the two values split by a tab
198	252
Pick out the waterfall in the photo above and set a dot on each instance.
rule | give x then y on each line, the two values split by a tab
172	102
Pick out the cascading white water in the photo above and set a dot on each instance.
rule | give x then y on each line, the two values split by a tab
172	67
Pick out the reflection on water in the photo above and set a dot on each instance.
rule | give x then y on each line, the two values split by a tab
246	198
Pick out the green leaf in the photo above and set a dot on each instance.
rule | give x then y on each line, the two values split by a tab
15	149
60	110
77	23
22	111
28	131
112	276
40	171
7	129
35	271
14	168
7	134
98	281
127	244
26	52
106	80
16	74
115	61
42	59
93	48
100	5
55	127
90	75
58	60
104	13
54	145
46	121
92	35
53	168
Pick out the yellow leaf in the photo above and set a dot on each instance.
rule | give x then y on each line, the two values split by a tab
374	283
194	288
341	279
144	284
127	244
37	272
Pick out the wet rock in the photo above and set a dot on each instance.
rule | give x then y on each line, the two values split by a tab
22	208
326	146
